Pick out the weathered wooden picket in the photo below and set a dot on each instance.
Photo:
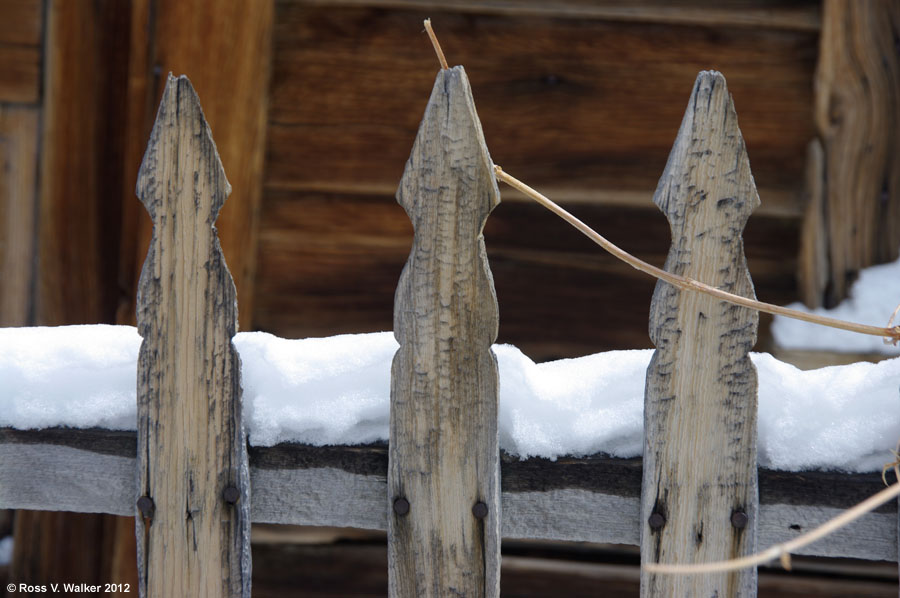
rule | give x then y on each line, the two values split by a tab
441	487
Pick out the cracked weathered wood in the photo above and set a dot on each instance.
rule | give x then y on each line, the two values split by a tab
444	453
700	401
191	443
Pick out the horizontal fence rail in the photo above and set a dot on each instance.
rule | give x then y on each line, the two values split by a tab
592	499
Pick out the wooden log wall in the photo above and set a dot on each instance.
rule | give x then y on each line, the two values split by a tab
563	98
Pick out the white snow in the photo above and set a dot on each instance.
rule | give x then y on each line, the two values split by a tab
79	376
336	391
872	300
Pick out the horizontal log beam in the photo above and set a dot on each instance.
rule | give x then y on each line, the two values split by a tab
593	499
799	16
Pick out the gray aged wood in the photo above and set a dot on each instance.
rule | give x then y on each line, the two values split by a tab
444	451
701	396
592	499
191	443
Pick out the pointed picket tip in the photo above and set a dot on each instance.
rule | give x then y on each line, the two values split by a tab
181	146
709	158
450	121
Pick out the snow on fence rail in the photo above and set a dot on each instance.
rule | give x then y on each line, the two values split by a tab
441	487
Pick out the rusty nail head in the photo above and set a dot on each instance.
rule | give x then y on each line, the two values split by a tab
231	494
480	510
739	519
656	520
145	506
401	506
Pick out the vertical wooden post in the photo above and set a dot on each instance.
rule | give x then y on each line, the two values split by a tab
857	114
812	271
699	497
194	508
443	479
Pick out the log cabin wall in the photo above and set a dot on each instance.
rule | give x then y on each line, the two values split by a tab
314	106
577	99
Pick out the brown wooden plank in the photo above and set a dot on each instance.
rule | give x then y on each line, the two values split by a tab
44	553
329	264
21	23
18	198
813	266
778	14
563	101
700	402
20	73
857	108
20	50
194	536
444	449
80	173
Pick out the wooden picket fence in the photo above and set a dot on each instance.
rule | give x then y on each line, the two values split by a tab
441	487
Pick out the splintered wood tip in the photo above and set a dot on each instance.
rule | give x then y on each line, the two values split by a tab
436	44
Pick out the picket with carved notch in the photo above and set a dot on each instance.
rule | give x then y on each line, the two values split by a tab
699	494
193	505
443	475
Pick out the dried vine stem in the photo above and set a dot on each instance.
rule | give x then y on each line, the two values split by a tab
436	44
783	551
689	284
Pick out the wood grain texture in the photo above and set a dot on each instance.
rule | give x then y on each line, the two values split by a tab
80	170
857	110
812	262
18	199
444	451
191	441
586	499
700	403
780	14
564	102
20	50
